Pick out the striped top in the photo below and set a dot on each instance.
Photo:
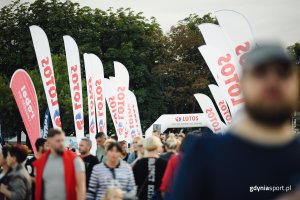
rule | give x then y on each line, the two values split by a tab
104	177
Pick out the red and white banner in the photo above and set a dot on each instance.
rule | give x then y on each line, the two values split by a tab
221	103
74	71
134	124
208	108
227	78
24	93
121	85
43	55
238	29
89	70
110	97
98	78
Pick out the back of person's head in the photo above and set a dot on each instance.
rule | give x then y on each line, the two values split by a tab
122	142
54	131
40	142
100	135
109	141
171	142
113	194
156	133
19	152
152	143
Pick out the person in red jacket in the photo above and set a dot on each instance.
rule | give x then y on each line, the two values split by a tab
60	174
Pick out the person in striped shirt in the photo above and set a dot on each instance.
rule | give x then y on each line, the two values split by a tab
112	173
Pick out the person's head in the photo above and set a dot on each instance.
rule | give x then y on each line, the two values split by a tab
108	142
40	145
3	155
85	146
123	145
135	141
16	155
140	148
156	133
171	142
113	152
100	138
163	137
270	85
181	136
113	194
56	141
152	144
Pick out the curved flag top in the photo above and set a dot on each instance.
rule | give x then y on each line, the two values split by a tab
121	85
98	88
221	103
43	55
238	29
91	100
74	72
208	108
24	93
134	124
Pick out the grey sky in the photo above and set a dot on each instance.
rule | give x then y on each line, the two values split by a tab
275	19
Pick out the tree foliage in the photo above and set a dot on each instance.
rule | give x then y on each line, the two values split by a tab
120	35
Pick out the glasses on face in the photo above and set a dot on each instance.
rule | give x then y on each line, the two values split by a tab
134	142
282	71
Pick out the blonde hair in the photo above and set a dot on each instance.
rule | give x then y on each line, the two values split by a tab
152	143
110	192
108	141
172	142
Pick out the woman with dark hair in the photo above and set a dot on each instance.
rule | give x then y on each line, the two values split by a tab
19	185
111	174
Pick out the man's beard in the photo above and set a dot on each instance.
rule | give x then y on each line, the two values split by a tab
59	151
273	117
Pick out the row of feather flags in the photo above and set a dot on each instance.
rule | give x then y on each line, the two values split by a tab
226	44
114	91
224	50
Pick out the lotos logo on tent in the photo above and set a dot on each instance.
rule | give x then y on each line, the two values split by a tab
79	121
189	118
178	119
101	125
56	118
92	126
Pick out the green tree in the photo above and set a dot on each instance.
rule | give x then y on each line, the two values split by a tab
121	35
183	71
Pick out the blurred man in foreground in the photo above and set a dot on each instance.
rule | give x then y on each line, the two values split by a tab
60	174
259	157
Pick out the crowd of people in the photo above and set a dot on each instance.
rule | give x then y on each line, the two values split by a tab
257	158
114	172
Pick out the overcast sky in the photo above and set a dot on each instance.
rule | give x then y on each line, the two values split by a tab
275	19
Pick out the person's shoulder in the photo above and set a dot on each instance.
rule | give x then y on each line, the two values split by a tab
125	165
141	163
208	144
99	167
